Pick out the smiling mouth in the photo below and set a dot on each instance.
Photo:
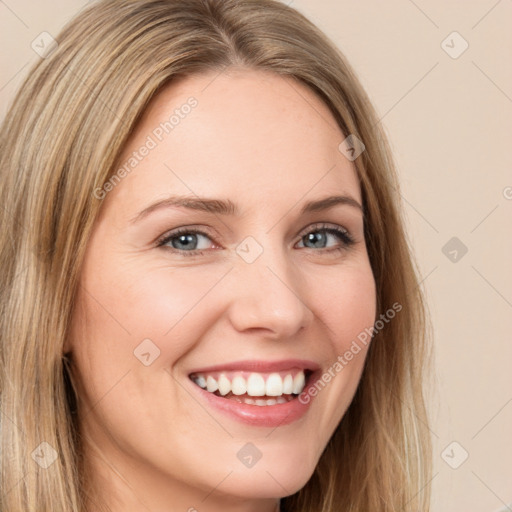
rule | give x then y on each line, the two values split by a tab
254	388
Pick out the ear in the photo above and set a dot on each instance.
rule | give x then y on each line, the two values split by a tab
66	348
68	343
76	325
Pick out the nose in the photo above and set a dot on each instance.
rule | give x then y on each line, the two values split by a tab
268	294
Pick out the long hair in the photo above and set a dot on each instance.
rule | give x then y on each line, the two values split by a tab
62	139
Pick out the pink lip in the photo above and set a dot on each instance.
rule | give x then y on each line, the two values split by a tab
261	366
260	416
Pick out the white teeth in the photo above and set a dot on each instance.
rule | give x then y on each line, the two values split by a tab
274	385
224	385
298	383
211	384
201	381
238	386
288	385
255	385
261	401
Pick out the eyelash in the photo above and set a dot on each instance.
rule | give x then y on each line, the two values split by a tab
341	233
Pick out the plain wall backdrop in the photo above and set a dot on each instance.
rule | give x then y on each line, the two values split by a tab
439	75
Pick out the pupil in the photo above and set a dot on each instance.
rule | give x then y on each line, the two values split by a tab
185	238
315	237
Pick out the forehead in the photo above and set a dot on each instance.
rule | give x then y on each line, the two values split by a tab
244	134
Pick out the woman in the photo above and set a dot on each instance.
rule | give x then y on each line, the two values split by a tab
260	372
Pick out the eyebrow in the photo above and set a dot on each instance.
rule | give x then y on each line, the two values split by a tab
227	207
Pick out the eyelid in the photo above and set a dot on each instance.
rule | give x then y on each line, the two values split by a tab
323	225
203	230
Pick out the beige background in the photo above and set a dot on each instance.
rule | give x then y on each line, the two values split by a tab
449	121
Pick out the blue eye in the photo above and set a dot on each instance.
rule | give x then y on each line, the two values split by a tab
321	234
183	237
184	240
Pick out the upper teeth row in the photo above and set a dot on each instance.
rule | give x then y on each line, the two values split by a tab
254	385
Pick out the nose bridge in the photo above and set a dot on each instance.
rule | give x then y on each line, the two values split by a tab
267	294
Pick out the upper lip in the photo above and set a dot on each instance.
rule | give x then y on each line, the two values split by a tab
261	366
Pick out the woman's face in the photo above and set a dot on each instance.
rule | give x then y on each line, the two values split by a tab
238	300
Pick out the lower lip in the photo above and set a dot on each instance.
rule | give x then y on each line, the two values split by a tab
261	416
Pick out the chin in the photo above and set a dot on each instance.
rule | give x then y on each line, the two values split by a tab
272	479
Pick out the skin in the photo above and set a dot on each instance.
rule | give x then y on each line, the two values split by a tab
269	144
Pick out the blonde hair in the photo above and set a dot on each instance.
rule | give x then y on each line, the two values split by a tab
62	139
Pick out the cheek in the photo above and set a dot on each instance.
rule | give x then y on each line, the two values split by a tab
129	303
347	307
347	304
172	305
